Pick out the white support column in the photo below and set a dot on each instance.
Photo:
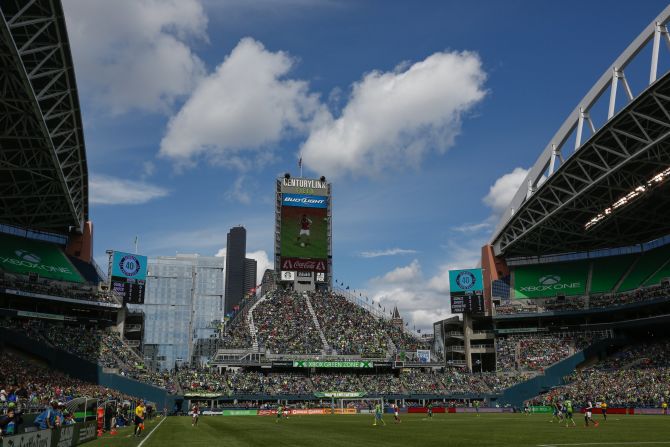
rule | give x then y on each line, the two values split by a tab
613	89
654	54
580	128
552	163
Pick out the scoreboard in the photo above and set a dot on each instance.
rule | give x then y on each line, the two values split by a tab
466	288
473	303
128	277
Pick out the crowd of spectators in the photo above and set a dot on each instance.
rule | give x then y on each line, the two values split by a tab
449	381
60	289
31	385
101	346
535	352
348	328
285	325
576	303
636	376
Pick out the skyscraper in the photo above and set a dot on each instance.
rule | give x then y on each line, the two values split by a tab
250	267
236	249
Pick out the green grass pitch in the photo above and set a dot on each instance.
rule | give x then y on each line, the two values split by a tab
499	430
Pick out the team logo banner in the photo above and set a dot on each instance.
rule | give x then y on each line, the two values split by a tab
466	280
423	355
128	265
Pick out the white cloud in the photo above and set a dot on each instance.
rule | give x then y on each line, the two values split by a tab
107	190
135	54
387	252
222	252
403	274
262	261
395	118
246	104
239	192
502	191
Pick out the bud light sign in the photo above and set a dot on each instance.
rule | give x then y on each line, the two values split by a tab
304	201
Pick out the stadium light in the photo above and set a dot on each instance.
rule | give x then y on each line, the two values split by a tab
653	183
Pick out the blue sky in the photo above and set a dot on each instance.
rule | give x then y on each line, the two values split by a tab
424	115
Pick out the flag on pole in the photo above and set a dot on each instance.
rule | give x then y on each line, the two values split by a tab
300	162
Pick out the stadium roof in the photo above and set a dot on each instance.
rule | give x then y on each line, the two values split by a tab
614	189
44	176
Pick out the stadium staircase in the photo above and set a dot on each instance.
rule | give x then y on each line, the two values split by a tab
250	323
326	347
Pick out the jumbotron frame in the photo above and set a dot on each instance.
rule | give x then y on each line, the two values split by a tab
44	175
577	201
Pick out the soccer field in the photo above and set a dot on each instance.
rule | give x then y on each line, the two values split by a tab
415	430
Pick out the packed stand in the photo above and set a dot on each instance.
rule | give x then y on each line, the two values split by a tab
31	385
103	347
637	376
538	351
61	289
540	305
237	334
348	328
285	325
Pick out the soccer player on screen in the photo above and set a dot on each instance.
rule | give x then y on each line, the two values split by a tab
305	227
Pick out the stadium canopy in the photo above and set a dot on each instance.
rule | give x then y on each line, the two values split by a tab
611	190
43	171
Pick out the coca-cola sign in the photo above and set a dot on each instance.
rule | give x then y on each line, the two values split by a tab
304	265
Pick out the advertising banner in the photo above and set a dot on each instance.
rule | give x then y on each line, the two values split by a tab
41	438
239	412
340	394
312	187
26	256
547	280
304	201
541	409
334	364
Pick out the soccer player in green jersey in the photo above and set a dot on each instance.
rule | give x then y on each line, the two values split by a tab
476	405
568	413
280	410
430	410
378	415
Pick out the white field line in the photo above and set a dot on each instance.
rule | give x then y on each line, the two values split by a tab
151	432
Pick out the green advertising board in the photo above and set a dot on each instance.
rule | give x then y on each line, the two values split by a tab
541	409
25	256
325	364
239	412
547	280
340	394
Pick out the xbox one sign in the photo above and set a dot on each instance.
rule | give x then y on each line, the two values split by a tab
549	283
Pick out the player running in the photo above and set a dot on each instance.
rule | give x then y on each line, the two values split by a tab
430	410
476	405
664	405
396	413
305	226
603	410
588	415
280	411
140	411
378	415
557	412
568	413
196	414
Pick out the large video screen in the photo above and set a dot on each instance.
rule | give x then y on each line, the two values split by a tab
129	274
304	232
